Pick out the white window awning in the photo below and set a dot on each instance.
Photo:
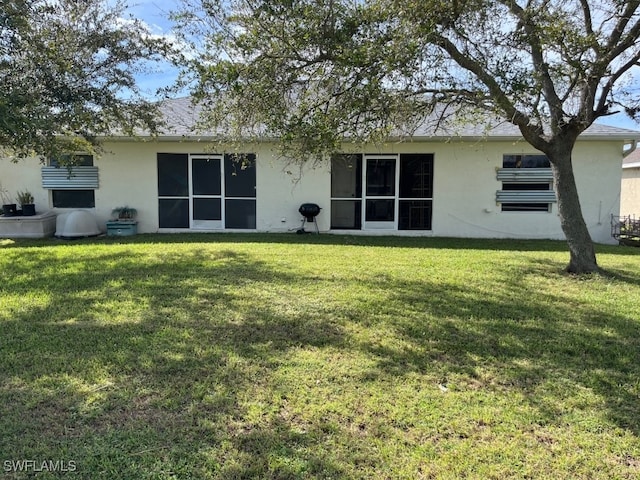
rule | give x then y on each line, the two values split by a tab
74	178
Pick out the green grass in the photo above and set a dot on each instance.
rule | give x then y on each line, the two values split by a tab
273	356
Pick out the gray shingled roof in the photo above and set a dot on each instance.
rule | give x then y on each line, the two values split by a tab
632	160
181	116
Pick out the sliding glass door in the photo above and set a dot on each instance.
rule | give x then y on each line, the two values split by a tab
206	192
397	193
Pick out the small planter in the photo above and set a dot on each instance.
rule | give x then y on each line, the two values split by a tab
122	228
28	209
9	209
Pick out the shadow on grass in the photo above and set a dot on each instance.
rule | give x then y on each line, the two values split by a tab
519	339
125	392
155	357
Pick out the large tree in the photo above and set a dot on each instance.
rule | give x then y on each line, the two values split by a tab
314	72
68	75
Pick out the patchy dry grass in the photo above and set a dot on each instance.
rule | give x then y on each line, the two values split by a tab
267	356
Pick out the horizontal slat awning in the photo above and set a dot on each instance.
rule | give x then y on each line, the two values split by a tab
525	175
525	196
77	178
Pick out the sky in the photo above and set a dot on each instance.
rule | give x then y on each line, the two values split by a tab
620	120
155	14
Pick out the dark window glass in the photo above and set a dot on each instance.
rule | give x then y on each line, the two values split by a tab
381	177
205	174
173	213
78	160
380	210
525	161
73	198
416	176
526	186
346	214
240	176
525	207
346	176
207	209
173	174
240	214
415	215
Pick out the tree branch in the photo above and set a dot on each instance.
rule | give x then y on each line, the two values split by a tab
533	133
588	22
539	64
618	30
606	90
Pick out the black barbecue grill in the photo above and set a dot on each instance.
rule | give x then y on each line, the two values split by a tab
309	211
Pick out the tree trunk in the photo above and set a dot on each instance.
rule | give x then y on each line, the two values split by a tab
583	255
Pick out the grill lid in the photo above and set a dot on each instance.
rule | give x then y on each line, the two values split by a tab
309	211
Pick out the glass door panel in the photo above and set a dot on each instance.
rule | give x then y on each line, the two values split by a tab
206	193
205	174
381	177
380	192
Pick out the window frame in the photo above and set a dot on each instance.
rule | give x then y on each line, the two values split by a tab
364	199
79	178
529	188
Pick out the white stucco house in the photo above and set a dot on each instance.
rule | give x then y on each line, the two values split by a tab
467	181
630	193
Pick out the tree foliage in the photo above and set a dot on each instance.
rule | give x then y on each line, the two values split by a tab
68	75
316	72
336	68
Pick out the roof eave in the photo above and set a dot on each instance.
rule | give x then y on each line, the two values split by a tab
623	136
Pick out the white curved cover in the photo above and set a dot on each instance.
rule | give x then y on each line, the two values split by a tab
77	223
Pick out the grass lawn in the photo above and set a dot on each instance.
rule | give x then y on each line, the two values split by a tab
288	356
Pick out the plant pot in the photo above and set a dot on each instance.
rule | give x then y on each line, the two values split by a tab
122	228
29	209
9	209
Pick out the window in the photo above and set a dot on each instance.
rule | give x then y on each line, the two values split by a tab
73	198
72	180
206	192
382	191
525	161
527	184
173	190
76	160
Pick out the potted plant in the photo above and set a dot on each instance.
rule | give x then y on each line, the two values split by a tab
123	222
26	202
8	208
124	213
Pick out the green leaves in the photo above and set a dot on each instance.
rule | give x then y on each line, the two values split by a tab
339	69
67	75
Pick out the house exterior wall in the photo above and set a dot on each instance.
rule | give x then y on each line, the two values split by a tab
630	197
464	187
